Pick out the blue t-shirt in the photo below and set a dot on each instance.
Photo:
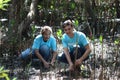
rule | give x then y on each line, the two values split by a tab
78	39
38	42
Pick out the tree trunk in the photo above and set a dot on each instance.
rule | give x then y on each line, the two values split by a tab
91	13
30	17
14	15
14	19
117	4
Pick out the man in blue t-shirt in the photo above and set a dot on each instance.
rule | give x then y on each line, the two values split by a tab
43	46
75	46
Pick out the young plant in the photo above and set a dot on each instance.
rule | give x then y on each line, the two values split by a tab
3	73
59	34
4	4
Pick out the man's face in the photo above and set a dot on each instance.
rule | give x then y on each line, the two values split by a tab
46	35
68	30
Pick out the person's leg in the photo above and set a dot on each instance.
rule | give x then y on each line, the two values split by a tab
80	52
25	57
25	54
45	52
62	58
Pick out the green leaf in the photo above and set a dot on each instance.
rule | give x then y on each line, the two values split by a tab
6	1
4	71
39	7
1	68
101	38
73	5
116	41
14	78
6	76
3	4
59	33
51	7
76	23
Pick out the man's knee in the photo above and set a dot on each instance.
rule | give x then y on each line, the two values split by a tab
25	54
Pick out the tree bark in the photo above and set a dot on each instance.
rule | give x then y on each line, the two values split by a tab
117	5
92	15
30	17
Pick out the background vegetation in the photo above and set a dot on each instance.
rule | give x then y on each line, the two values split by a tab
21	21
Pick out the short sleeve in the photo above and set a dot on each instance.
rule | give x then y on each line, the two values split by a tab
64	43
36	43
54	44
83	39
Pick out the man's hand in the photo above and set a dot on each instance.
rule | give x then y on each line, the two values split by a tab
78	62
46	64
54	58
71	67
52	63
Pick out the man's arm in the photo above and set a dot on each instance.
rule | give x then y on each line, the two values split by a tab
39	56
54	57
87	52
46	64
68	58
